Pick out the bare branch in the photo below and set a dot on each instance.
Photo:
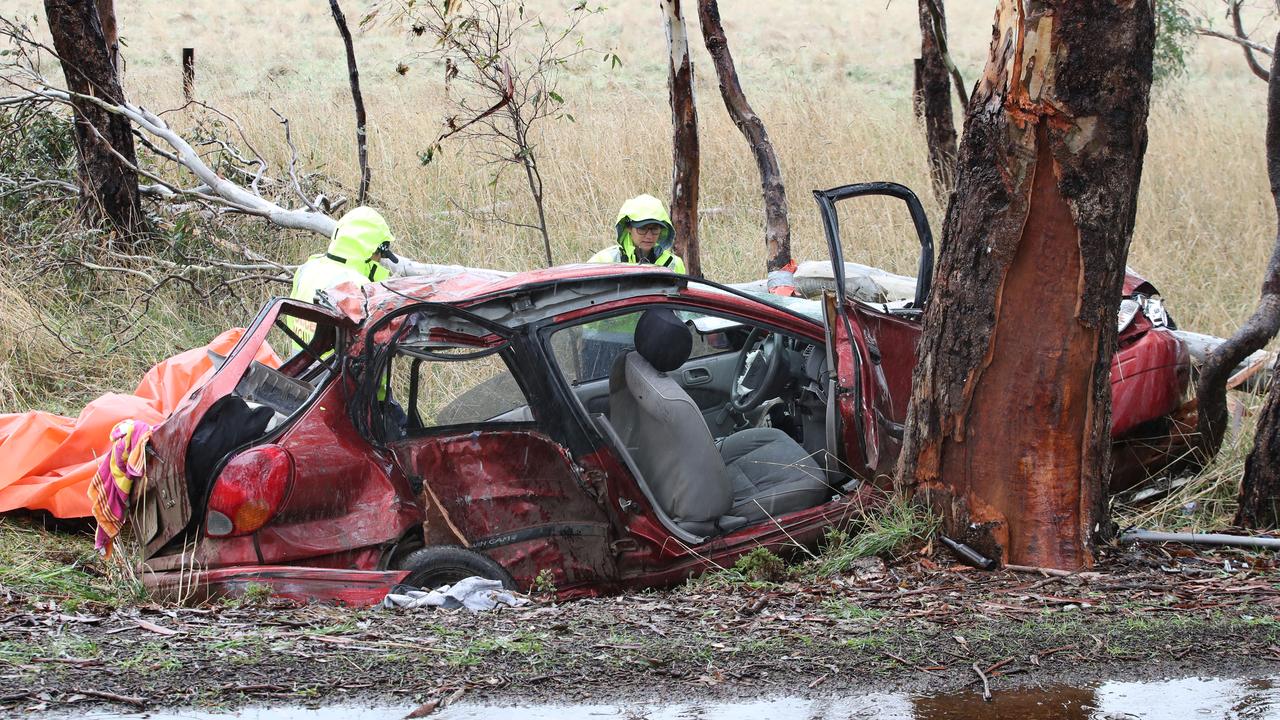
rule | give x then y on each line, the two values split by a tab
1233	8
293	161
1245	42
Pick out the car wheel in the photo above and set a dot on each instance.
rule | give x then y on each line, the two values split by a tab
439	565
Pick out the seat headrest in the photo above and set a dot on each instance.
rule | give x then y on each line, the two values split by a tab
663	340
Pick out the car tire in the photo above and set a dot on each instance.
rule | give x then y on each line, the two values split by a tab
439	565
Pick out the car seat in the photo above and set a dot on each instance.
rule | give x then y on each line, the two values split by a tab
703	487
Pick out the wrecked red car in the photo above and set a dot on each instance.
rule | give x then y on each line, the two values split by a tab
591	427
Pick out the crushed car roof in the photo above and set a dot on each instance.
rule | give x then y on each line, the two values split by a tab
457	284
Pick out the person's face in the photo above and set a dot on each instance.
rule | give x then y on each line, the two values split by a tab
645	237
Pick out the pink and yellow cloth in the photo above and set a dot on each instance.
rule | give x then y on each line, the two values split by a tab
124	465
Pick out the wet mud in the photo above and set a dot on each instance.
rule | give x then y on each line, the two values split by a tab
918	630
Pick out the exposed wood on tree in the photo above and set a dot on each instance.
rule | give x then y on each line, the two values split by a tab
353	73
1007	433
777	228
110	33
684	139
108	185
933	99
1260	487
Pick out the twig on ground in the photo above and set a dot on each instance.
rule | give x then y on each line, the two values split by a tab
986	686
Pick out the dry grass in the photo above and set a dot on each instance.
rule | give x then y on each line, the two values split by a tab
831	80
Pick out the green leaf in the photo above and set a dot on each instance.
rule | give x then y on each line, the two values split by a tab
555	96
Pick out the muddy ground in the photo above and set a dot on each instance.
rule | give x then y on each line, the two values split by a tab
915	627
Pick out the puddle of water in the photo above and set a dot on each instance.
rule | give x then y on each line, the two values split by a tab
1200	698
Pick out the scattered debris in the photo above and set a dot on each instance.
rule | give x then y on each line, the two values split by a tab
474	593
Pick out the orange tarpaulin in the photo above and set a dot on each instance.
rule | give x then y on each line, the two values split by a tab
48	459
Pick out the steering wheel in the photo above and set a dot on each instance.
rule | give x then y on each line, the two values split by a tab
763	364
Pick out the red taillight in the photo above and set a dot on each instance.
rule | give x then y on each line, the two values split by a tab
249	491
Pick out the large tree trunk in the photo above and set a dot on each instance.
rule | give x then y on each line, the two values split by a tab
1260	488
684	140
777	230
1257	331
933	99
1007	433
108	186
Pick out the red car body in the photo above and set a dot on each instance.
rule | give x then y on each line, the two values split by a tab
551	494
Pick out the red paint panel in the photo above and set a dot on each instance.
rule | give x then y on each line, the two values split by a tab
1148	378
357	588
495	482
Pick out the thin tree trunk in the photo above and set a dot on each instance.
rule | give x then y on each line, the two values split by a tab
684	143
108	187
1259	502
1007	431
1260	487
110	33
362	140
933	100
532	176
685	160
1211	388
777	230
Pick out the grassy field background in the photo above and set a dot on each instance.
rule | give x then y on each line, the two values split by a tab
832	80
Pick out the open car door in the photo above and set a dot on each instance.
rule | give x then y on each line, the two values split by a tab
867	394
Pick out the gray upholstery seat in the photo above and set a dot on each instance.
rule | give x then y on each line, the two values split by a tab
702	488
771	474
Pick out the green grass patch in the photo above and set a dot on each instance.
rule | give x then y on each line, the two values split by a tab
890	531
63	567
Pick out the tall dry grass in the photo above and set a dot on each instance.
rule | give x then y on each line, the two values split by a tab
831	79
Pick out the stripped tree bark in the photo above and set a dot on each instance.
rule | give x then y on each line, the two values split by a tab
110	33
933	99
1259	502
362	139
108	185
1007	431
777	228
685	160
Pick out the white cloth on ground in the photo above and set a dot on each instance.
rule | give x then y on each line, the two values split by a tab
474	593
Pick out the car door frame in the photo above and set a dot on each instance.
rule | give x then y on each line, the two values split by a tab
870	432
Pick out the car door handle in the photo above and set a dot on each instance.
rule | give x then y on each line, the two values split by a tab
697	376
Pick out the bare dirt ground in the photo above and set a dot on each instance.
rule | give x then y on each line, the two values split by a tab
919	626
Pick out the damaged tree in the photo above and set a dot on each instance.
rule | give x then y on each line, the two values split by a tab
684	139
1007	432
777	228
108	184
933	98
